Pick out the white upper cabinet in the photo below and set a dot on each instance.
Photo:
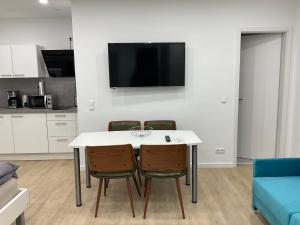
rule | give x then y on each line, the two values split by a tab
27	61
5	62
21	61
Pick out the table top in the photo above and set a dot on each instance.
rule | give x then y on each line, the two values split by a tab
157	137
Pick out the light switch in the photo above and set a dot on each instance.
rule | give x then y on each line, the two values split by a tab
223	100
92	105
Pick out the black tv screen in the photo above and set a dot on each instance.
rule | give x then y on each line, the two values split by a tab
146	64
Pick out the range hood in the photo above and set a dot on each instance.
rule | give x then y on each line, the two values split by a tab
59	63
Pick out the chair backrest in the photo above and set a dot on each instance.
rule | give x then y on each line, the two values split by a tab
123	125
161	124
163	158
115	158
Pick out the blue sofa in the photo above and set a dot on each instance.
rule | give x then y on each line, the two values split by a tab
276	190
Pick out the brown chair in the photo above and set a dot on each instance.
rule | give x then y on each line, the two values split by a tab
161	124
112	162
124	125
163	161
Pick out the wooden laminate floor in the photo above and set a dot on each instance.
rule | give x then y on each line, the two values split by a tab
224	198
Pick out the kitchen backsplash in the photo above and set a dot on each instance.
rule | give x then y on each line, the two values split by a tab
64	88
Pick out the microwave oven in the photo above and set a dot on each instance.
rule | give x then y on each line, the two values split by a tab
42	101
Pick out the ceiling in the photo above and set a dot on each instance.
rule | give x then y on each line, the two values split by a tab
33	9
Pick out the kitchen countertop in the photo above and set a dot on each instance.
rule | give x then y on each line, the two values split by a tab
28	110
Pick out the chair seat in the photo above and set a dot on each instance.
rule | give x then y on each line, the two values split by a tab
164	174
112	175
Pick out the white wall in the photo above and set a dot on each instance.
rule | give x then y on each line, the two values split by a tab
52	33
209	29
294	118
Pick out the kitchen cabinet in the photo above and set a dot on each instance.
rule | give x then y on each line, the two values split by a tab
37	133
30	133
60	144
62	129
6	134
6	69
21	61
27	61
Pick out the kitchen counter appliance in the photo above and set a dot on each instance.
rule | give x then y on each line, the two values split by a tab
42	101
13	99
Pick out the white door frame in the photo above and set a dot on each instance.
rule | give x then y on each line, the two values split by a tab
281	142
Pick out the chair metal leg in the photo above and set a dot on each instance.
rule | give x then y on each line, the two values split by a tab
180	196
138	169
136	185
130	196
139	176
98	196
148	188
146	183
105	185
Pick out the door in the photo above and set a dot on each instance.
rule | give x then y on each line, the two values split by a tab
24	59
5	62
6	134
258	97
30	133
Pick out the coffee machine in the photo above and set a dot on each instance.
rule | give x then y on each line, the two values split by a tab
13	99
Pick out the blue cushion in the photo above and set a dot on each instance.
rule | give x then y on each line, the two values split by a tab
280	194
295	220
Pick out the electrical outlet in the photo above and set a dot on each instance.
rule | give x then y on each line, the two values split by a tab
220	151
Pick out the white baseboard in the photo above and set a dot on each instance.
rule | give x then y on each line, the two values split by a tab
216	165
39	156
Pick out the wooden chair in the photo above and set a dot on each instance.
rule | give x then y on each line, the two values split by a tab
112	162
161	124
124	125
163	161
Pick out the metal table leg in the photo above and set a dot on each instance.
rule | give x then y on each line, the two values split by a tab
87	173
77	176
20	220
188	172
194	173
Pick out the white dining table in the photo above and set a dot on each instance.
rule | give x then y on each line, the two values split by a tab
156	137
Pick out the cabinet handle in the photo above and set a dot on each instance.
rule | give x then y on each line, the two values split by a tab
6	75
60	115
61	140
19	75
17	116
61	124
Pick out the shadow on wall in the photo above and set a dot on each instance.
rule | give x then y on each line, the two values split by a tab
145	95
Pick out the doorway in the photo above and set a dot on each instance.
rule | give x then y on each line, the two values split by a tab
262	58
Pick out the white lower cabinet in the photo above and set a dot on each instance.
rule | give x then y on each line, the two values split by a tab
30	133
37	133
62	129
60	144
6	134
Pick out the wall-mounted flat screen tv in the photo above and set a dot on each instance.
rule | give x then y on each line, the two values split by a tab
146	64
